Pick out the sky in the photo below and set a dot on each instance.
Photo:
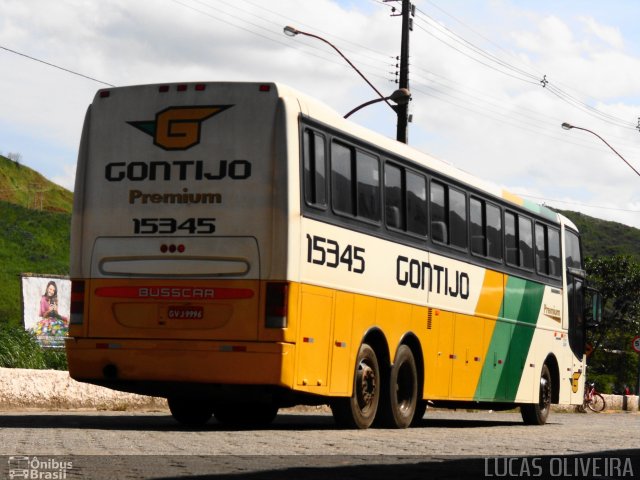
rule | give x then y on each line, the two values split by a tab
491	80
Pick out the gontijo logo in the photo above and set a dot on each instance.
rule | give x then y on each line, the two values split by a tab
178	128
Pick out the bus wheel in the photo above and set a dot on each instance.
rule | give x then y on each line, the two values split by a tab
360	409
192	411
537	413
421	409
400	396
245	414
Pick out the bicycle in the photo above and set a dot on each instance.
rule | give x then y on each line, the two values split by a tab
592	399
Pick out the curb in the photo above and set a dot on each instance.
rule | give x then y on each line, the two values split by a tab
55	390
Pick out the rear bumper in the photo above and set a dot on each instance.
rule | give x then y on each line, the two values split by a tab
160	367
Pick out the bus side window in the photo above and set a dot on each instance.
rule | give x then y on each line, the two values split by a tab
548	250
438	212
525	242
416	203
477	223
393	196
555	264
448	215
511	238
368	186
572	250
541	249
314	152
405	200
342	194
494	232
458	218
485	223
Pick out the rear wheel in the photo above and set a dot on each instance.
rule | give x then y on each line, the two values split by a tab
245	414
400	395
597	403
192	411
359	410
537	413
421	409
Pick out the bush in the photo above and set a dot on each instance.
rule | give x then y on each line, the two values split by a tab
19	349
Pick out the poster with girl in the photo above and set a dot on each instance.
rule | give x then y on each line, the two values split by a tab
45	301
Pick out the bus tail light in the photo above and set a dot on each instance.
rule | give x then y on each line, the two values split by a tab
276	305
77	302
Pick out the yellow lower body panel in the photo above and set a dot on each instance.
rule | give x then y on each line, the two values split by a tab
181	361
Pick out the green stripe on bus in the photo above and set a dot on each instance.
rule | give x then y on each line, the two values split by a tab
541	210
511	341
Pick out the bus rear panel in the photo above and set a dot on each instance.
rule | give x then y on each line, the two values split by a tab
174	220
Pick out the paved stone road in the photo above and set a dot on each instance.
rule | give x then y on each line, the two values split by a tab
152	445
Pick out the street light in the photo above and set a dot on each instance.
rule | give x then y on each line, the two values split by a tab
292	32
400	97
568	126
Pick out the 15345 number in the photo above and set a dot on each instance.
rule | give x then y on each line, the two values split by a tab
167	226
324	251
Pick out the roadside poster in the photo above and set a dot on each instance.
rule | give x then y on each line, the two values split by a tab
45	307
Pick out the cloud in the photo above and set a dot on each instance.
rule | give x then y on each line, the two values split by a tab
608	34
468	108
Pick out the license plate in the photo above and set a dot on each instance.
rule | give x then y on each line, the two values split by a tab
181	312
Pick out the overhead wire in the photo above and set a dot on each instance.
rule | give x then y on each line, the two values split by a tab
498	46
322	54
73	72
546	83
380	55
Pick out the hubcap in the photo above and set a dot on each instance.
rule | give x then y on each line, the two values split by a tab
367	386
545	393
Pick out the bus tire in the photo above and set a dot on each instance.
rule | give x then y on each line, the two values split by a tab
400	393
421	409
359	410
537	413
191	411
245	414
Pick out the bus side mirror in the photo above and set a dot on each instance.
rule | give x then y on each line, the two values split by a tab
593	310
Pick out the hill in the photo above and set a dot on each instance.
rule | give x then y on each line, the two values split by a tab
605	238
20	185
35	217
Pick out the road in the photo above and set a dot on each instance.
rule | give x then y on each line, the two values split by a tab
447	444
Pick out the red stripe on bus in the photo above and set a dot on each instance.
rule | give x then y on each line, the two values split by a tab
173	292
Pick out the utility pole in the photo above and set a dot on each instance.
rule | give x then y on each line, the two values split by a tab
408	11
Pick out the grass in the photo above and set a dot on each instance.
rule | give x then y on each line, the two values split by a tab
30	241
19	349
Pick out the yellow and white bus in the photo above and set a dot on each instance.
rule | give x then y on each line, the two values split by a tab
240	247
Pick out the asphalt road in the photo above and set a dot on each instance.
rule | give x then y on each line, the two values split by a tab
447	444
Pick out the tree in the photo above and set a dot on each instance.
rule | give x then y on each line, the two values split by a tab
15	157
618	280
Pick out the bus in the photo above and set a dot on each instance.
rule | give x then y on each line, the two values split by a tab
238	248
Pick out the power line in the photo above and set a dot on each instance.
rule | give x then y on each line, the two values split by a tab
56	66
508	69
275	33
324	33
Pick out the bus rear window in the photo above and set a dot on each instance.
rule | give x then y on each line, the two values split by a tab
315	190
